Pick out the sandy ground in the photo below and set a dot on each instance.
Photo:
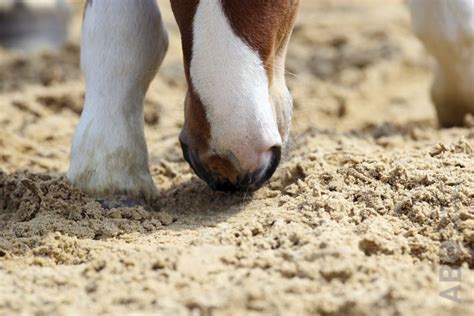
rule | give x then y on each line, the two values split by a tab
370	200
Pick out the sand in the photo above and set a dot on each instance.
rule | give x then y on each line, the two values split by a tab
371	203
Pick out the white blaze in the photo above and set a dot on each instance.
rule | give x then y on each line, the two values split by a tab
233	85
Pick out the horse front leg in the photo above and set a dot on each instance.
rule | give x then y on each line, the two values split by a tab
123	45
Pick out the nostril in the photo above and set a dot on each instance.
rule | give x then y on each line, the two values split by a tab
271	166
264	173
195	163
276	156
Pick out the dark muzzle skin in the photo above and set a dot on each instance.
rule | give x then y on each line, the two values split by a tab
242	181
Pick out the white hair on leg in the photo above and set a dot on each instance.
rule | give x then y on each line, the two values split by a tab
446	28
123	44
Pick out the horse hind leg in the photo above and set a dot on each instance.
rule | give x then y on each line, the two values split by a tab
446	30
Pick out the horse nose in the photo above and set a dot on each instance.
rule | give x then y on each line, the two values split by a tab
223	174
248	176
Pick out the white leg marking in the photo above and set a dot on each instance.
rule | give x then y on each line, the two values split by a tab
233	86
123	44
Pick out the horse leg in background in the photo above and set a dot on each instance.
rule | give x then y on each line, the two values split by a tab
123	45
446	28
33	25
